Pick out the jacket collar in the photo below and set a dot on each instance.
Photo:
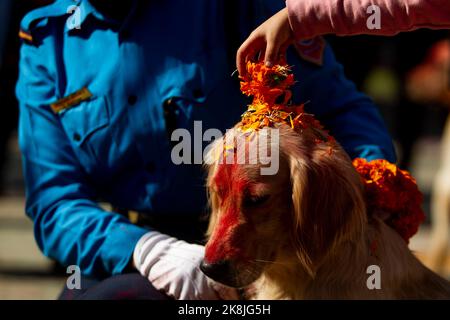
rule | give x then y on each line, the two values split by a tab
79	11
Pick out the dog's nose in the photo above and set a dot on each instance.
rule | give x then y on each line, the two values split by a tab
220	271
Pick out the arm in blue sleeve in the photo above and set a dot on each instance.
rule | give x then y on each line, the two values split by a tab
69	225
351	116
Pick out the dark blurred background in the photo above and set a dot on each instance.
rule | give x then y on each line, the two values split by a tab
382	67
406	75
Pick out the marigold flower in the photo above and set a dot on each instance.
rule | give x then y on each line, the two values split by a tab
270	89
393	191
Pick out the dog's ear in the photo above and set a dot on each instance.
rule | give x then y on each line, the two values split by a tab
328	204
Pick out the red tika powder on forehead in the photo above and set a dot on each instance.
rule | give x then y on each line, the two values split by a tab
224	242
219	247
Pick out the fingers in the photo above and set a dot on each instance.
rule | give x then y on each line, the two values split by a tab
247	50
271	53
261	55
268	39
268	49
240	59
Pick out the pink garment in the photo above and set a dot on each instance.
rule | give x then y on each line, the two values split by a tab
310	18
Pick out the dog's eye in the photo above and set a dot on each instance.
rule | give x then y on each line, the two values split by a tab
254	201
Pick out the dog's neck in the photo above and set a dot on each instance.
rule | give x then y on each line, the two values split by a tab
287	278
344	274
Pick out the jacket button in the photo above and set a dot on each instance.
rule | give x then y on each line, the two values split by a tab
170	115
168	105
132	99
76	137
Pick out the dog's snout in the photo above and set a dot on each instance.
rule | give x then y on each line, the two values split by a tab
219	271
230	273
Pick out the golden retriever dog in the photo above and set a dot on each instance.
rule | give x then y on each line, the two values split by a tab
304	232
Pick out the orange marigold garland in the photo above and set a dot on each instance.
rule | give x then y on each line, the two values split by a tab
393	191
270	88
387	187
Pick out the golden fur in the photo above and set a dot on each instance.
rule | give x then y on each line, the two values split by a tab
312	238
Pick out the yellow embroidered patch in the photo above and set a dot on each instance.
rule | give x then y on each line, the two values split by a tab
133	216
71	100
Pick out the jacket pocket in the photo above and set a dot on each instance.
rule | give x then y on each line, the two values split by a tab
86	126
84	119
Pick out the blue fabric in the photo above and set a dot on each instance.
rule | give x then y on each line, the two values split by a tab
115	146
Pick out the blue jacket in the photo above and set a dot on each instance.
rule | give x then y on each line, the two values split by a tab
112	143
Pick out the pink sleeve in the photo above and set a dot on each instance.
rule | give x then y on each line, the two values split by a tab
310	18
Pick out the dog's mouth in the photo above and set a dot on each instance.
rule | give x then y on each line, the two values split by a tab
231	273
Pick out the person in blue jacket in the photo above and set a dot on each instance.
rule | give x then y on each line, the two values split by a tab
103	85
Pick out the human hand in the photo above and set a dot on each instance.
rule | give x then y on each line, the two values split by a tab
271	39
172	266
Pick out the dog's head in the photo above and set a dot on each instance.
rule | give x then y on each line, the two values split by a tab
313	203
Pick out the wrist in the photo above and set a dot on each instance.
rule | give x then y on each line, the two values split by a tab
148	250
